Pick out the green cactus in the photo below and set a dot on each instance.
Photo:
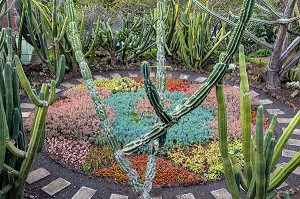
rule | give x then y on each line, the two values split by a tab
16	158
168	120
260	152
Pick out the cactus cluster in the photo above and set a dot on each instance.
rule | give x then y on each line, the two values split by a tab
16	157
260	152
166	119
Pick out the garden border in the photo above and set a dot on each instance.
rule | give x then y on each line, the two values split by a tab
70	184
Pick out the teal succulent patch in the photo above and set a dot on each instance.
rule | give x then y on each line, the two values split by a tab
129	125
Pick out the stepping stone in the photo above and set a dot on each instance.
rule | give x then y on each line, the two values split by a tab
237	87
254	94
27	105
275	111
25	114
156	198
293	142
84	193
117	196
115	75
288	153
152	74
57	90
284	184
296	131
67	84
99	77
184	77
265	102
169	75
200	79
284	120
132	75
221	194
186	196
296	171
81	80
37	175
55	186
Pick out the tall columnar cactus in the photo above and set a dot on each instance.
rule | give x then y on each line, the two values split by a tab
166	119
260	152
16	157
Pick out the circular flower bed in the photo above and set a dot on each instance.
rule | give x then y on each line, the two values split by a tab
191	154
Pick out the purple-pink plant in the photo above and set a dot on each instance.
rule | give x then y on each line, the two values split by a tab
232	97
67	151
74	117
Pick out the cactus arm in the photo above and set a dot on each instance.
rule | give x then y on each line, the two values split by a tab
60	72
223	144
14	150
252	188
271	8
22	21
284	138
153	96
25	83
48	23
9	106
52	93
278	178
260	163
269	154
245	109
4	133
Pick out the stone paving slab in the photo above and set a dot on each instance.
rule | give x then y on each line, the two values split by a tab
275	111
25	114
81	80
186	196
99	77
200	79
293	142
265	102
27	105
117	196
37	175
132	75
84	193
254	94
55	186
57	90
296	171
67	84
221	194
156	197
152	74
184	77
284	184
169	75
284	120
115	75
288	153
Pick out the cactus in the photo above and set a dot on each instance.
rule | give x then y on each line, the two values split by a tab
194	32
260	182
167	120
16	158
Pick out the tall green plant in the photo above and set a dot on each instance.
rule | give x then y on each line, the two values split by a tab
260	152
166	119
17	157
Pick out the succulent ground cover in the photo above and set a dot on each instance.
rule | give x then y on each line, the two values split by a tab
191	154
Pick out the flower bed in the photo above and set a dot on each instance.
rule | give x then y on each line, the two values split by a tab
191	153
